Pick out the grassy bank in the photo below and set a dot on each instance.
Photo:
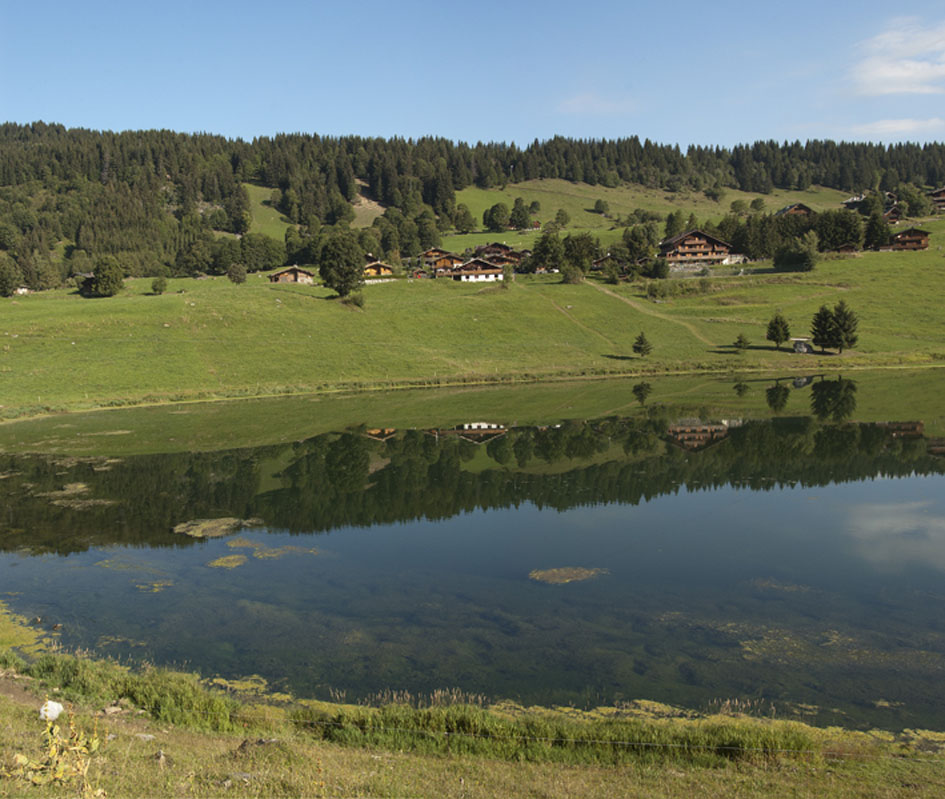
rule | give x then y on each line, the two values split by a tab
166	733
207	339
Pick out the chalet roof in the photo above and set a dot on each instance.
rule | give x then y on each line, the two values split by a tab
794	207
671	242
914	230
297	269
936	192
436	251
496	245
378	263
477	263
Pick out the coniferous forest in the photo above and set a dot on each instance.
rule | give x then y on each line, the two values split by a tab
157	201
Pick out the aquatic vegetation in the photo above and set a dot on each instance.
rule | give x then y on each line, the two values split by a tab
16	632
228	562
155	586
565	574
263	552
214	528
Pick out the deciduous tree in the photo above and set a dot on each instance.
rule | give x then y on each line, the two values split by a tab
778	330
341	263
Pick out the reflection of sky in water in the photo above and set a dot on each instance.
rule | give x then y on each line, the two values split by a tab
450	602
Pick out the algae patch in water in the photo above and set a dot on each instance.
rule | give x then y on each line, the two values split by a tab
565	574
155	586
214	528
228	562
262	552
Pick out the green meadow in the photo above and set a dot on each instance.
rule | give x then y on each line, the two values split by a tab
210	339
578	199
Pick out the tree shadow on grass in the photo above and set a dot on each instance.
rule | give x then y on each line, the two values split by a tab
622	357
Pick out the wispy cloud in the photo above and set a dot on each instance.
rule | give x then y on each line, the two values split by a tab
597	104
899	534
893	128
907	58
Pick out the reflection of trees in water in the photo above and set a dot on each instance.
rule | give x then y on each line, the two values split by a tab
347	479
833	399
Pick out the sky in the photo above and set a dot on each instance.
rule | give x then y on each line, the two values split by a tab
684	73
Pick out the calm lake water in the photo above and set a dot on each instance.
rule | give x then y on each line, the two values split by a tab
798	562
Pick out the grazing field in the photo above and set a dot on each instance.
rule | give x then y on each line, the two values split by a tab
266	219
578	199
206	339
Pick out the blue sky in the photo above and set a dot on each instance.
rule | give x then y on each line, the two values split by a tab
705	73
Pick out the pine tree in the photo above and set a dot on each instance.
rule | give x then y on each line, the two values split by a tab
823	329
778	330
845	323
642	346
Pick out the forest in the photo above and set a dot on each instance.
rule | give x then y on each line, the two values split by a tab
165	203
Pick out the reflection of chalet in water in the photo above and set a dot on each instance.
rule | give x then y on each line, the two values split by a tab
476	432
937	447
380	433
694	434
904	429
797	209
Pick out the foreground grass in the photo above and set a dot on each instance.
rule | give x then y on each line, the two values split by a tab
167	734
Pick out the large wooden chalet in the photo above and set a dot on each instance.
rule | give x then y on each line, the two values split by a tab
293	274
476	270
911	239
695	247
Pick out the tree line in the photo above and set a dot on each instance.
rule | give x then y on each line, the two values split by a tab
158	200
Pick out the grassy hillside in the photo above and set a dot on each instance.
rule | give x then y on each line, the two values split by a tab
578	200
266	219
210	338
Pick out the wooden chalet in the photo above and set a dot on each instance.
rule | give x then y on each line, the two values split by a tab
938	198
893	214
445	262
911	239
378	269
695	247
293	274
797	209
429	256
853	203
476	270
501	253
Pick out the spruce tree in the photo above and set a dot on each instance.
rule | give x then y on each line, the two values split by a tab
778	330
642	346
823	329
845	323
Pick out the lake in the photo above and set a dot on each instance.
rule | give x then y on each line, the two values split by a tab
785	552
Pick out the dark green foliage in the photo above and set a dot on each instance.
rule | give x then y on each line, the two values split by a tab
562	218
797	255
519	218
877	231
741	342
777	396
601	207
839	229
341	263
11	278
236	273
463	221
159	285
845	323
757	205
496	218
548	252
641	391
580	250
108	277
822	329
833	399
641	346
778	330
259	253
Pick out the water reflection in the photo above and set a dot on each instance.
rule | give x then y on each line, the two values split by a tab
795	559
